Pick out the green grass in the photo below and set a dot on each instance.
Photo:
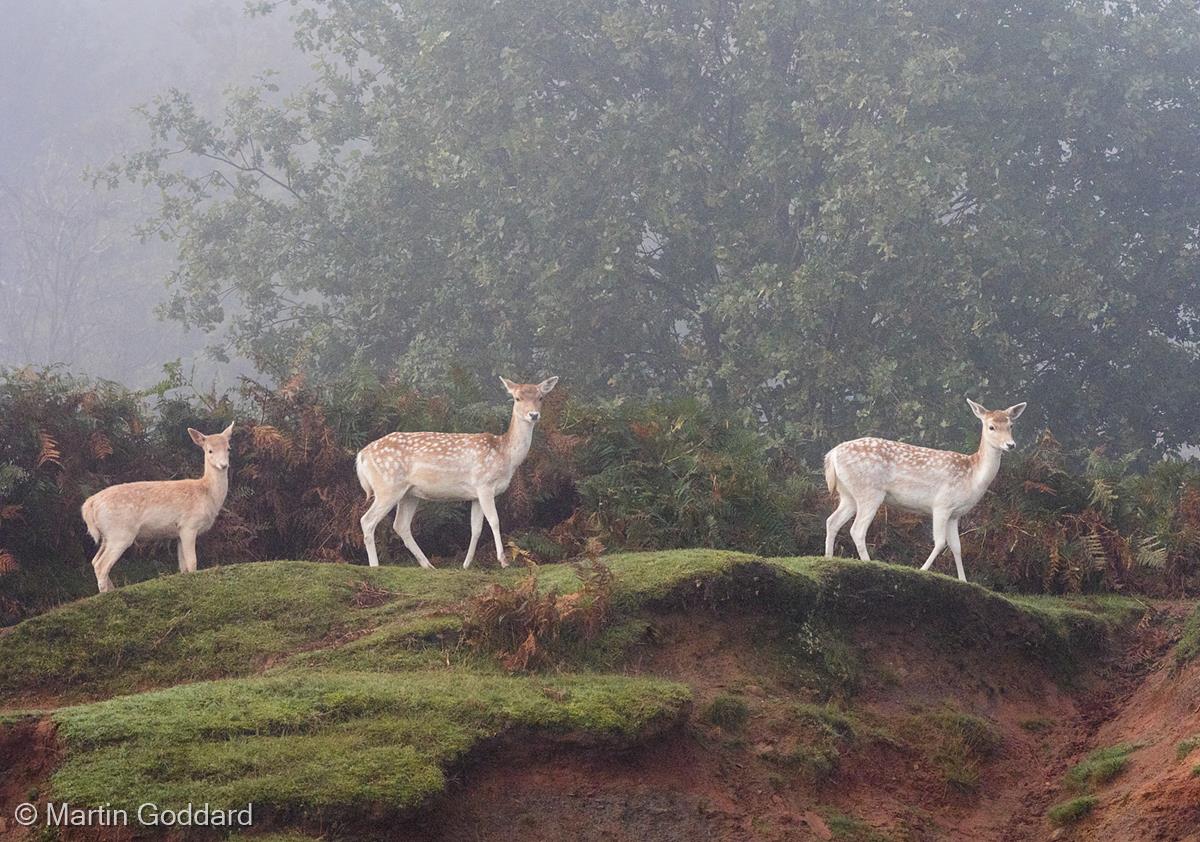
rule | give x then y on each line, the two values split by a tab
957	744
235	621
1100	767
220	622
1189	642
288	689
851	829
1069	812
1187	746
729	713
343	742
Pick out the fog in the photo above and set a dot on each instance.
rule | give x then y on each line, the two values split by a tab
80	285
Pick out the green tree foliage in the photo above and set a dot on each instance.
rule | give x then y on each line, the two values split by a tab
831	216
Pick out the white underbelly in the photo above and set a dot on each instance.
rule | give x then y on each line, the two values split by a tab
909	501
454	491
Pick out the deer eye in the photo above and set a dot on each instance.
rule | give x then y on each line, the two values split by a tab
991	426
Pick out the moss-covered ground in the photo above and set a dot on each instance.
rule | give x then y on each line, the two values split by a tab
307	687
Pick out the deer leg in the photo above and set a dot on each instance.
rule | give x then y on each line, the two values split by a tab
108	556
487	502
476	528
187	551
940	518
843	512
379	508
862	522
403	526
955	547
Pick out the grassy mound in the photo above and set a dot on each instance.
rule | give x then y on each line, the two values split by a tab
235	621
339	690
360	741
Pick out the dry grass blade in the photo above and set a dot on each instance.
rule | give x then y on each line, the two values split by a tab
369	595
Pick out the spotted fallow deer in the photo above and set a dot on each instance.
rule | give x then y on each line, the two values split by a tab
170	509
868	472
402	469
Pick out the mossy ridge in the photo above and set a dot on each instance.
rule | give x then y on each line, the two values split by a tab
228	622
329	741
217	623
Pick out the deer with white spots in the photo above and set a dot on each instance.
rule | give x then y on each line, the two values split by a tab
180	508
868	472
402	469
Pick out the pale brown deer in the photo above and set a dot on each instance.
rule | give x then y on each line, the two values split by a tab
168	509
402	469
868	472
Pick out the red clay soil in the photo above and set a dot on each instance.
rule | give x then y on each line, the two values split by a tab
28	754
701	783
1157	797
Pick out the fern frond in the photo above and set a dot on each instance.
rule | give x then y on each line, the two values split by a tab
1151	553
49	450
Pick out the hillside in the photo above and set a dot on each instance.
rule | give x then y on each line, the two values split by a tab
719	696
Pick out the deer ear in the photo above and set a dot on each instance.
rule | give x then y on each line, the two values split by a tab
510	386
228	431
547	386
197	436
978	409
1014	411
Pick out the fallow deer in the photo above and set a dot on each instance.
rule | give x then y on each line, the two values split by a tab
402	469
181	509
868	472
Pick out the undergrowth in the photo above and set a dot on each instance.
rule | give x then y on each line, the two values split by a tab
524	626
629	475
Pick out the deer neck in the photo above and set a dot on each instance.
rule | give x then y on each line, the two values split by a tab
985	465
517	439
216	483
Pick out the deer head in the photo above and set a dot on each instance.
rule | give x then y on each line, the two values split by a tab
997	424
527	397
215	447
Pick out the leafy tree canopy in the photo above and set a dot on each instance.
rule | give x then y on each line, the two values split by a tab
835	217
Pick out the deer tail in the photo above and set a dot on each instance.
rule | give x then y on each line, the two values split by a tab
89	517
361	468
830	473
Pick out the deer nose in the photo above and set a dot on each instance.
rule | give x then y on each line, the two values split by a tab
533	416
1010	445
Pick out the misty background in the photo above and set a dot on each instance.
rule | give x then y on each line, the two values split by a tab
80	285
820	219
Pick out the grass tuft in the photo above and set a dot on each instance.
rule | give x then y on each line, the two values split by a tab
957	744
1069	812
1187	746
1189	643
1100	767
729	713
